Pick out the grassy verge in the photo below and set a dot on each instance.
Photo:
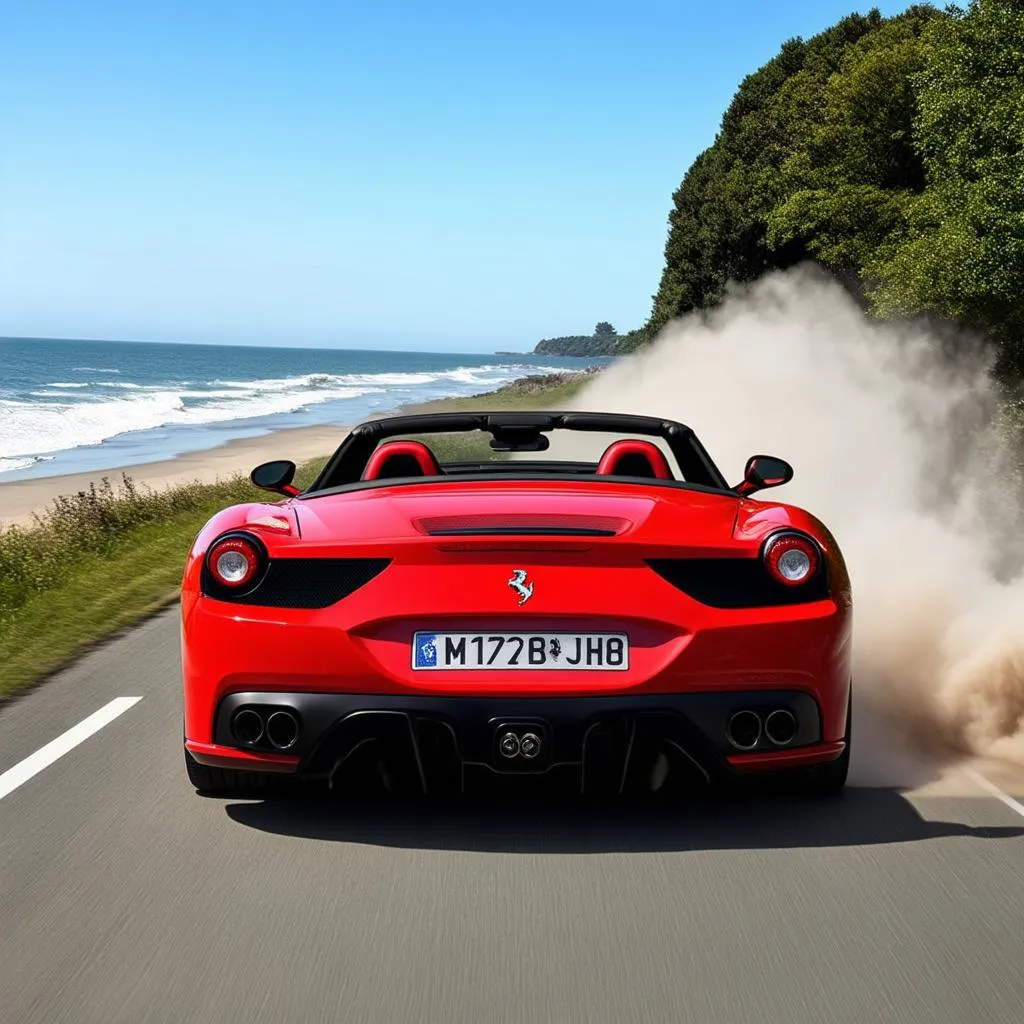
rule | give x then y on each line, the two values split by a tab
106	558
531	393
95	562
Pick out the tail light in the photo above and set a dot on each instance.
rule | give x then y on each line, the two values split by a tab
791	558
234	561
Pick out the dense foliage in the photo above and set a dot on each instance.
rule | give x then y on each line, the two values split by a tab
603	342
890	150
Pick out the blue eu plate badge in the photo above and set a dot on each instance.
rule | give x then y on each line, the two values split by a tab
426	651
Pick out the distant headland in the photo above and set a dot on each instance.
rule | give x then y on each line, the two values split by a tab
605	341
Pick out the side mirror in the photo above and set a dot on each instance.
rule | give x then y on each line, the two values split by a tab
764	471
275	476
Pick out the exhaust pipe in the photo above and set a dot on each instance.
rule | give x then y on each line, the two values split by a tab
780	727
282	729
247	726
743	730
509	745
529	745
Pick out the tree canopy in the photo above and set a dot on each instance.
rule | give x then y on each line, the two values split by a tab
889	150
962	248
603	342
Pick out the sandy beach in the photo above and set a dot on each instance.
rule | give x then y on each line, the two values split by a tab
19	499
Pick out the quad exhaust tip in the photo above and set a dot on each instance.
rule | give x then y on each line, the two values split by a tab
743	729
247	726
282	729
780	727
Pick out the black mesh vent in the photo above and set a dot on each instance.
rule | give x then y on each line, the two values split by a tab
735	582
303	582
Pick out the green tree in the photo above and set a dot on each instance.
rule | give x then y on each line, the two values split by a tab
605	331
889	150
718	225
847	185
962	253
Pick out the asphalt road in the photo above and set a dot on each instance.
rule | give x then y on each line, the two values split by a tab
125	897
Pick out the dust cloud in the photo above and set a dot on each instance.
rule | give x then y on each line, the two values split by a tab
903	449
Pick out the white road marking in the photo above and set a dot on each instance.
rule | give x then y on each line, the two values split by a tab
11	779
989	787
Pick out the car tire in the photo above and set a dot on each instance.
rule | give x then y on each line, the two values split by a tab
827	781
226	781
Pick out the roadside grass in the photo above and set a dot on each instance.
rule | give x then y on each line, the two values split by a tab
100	560
100	594
507	398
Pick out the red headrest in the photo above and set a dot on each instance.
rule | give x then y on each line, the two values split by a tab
634	458
401	458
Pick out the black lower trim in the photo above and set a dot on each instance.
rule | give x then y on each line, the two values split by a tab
442	736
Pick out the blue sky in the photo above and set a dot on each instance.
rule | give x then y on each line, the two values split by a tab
447	175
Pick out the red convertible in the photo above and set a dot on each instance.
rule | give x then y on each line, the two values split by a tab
632	625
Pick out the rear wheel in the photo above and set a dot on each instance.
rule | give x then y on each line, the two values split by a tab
227	781
829	780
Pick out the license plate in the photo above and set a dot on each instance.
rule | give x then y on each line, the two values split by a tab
529	651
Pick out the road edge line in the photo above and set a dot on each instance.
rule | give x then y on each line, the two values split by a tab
990	787
46	755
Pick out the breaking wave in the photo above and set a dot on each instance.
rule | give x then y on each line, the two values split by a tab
63	415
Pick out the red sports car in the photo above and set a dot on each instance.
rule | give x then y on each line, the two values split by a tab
630	625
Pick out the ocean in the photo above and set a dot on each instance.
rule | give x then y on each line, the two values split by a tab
82	406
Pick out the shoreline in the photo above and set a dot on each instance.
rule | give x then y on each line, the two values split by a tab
21	499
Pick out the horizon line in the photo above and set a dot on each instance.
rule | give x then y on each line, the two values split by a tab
286	348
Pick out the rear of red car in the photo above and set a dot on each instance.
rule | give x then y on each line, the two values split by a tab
615	634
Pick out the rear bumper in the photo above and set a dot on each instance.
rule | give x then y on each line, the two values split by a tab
611	741
217	755
779	760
